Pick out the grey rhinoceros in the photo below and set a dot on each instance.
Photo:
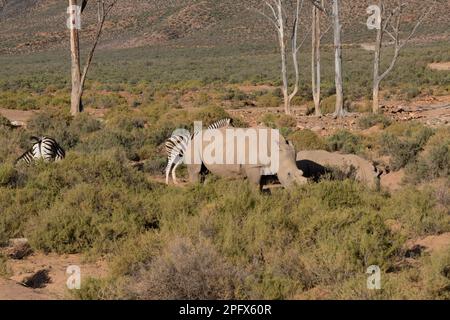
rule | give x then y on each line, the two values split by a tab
314	163
242	157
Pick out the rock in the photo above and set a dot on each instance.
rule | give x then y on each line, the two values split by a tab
317	128
18	248
398	109
18	123
38	280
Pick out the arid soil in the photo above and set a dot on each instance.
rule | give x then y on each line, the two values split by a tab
51	287
440	66
432	111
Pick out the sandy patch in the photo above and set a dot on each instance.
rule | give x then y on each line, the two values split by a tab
440	66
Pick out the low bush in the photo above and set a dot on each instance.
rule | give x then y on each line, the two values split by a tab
328	105
4	269
209	115
345	142
371	120
307	140
234	94
8	175
411	93
403	141
423	216
104	100
434	161
276	120
4	122
268	100
185	270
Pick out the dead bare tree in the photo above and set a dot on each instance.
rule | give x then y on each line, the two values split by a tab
337	27
339	111
3	4
276	12
315	59
78	77
318	9
390	25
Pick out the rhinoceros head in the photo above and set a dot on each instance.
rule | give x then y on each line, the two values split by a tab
288	173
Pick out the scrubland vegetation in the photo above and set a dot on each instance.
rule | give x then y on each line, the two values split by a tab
223	239
41	79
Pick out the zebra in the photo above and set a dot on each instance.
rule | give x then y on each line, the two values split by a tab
177	144
45	148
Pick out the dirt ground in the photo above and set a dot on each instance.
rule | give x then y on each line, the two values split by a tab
432	111
54	287
440	66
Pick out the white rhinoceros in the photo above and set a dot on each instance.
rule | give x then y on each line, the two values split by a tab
235	154
314	163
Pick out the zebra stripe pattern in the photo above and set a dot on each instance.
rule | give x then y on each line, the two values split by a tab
176	146
44	148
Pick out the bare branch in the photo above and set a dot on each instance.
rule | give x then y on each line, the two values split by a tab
319	5
395	34
419	22
272	9
3	4
103	14
325	32
262	13
83	5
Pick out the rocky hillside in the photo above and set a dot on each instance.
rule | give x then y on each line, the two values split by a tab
33	25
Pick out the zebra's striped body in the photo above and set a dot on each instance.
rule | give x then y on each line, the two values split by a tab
176	146
44	148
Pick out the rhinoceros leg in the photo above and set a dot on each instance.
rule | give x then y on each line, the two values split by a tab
194	171
254	175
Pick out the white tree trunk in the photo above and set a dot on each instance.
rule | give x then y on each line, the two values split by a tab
282	43
392	29
339	112
376	67
75	97
315	60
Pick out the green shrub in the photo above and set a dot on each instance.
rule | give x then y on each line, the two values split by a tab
98	289
411	93
277	120
234	94
209	115
55	124
328	105
371	120
403	142
307	140
84	124
4	269
93	209
436	279
345	142
422	218
104	100
4	122
268	100
185	270
8	175
434	161
156	165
